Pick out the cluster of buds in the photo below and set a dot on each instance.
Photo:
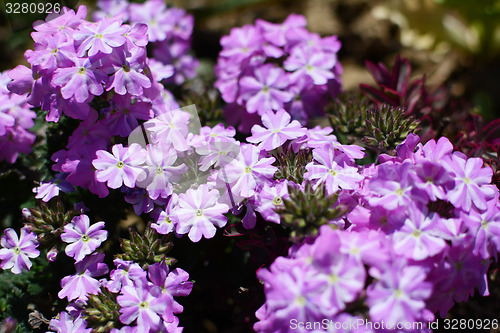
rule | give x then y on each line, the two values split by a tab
148	248
47	221
308	209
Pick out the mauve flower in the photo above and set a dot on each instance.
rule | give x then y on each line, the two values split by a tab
265	91
16	251
141	302
241	43
172	283
128	73
344	275
153	13
399	293
102	36
419	238
270	198
485	228
81	80
311	62
278	130
83	237
125	274
79	285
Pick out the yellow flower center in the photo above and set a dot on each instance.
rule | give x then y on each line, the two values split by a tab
120	164
199	212
278	201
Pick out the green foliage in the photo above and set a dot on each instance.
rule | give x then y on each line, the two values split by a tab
21	293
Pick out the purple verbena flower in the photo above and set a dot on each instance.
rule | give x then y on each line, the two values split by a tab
278	130
121	167
83	237
16	251
66	324
198	212
79	285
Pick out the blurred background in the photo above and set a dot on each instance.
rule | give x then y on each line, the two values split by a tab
455	42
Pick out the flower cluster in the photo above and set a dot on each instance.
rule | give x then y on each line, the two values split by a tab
420	236
270	66
144	298
169	31
98	72
15	120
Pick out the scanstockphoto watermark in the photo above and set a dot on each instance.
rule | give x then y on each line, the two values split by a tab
327	324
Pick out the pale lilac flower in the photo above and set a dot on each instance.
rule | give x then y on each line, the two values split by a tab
16	251
277	33
344	275
394	187
54	51
198	213
247	171
241	43
154	13
48	190
171	128
278	130
121	167
335	169
102	36
265	91
83	237
314	63
79	285
172	283
471	182
66	324
218	152
292	291
419	238
161	172
399	294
